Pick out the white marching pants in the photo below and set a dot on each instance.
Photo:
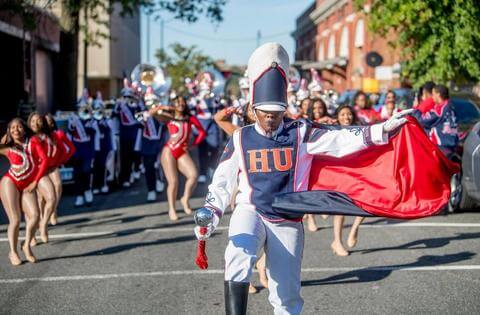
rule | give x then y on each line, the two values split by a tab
283	242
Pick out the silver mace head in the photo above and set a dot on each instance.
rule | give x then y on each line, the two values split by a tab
203	217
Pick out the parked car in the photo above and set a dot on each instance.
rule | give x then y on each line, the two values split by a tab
465	186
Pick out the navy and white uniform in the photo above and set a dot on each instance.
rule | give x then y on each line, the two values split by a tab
208	150
441	125
261	166
154	138
130	136
105	144
82	134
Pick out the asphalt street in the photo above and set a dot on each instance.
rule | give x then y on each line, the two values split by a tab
124	256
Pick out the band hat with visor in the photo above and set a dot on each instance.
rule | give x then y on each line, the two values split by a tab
268	68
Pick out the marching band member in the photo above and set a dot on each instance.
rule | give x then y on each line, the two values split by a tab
242	102
82	131
440	122
104	145
28	164
426	103
222	118
206	107
272	156
130	131
153	136
46	185
175	156
303	92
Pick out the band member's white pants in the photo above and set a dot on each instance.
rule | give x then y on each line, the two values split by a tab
283	242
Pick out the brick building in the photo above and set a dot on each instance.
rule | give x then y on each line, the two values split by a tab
332	37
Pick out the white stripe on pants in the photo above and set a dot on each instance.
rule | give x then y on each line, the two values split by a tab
283	243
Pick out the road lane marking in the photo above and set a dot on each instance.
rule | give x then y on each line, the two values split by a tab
224	228
69	235
220	271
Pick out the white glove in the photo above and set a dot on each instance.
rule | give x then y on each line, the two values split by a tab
397	120
210	229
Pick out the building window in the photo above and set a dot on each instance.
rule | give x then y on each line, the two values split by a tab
331	47
321	52
344	43
359	34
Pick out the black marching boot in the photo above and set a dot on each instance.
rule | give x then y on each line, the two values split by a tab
236	297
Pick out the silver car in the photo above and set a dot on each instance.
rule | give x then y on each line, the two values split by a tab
466	185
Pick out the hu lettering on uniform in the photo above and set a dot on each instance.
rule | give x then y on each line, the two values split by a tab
259	160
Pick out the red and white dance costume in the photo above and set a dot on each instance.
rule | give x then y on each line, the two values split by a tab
54	148
27	164
180	131
262	166
367	116
65	148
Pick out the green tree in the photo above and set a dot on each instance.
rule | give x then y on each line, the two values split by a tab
185	62
439	40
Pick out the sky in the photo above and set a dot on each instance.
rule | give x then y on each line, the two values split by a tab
234	39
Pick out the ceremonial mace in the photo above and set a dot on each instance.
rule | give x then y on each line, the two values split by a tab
203	218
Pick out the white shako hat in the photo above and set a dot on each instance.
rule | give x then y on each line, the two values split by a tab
267	73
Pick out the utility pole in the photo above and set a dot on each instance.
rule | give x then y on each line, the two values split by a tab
148	37
162	27
259	37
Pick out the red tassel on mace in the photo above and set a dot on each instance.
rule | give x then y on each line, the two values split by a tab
202	260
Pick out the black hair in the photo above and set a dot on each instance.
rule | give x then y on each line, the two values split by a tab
442	90
325	110
45	128
309	112
350	108
357	95
391	91
419	94
54	126
186	111
7	140
428	86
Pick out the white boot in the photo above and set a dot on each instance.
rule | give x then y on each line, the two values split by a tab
152	196
105	189
159	186
132	178
79	202
88	196
136	175
126	184
96	191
